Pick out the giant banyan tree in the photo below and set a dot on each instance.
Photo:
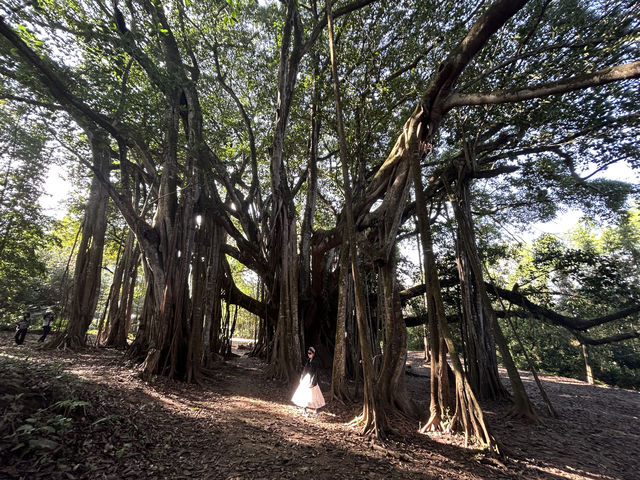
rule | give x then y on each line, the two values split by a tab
308	142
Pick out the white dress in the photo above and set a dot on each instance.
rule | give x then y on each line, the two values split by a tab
308	396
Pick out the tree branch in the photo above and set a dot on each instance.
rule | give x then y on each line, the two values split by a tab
572	323
15	98
433	102
320	26
529	54
601	77
611	339
55	83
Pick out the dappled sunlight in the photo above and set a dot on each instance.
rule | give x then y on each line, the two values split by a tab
240	423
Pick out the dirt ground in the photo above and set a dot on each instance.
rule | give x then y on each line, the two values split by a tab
240	424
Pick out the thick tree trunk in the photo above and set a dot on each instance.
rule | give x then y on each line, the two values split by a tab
390	381
286	353
468	416
285	359
479	343
88	268
522	405
174	332
208	280
373	416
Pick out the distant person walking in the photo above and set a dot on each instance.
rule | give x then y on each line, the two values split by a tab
308	394
22	327
46	325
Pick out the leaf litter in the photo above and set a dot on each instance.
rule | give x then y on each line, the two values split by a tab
87	415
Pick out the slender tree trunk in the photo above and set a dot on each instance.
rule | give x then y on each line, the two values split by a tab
373	416
390	381
587	364
532	368
425	334
345	298
114	291
119	316
441	402
88	268
312	191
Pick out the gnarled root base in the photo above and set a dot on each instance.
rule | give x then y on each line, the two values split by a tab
467	419
371	424
434	424
150	364
66	342
524	411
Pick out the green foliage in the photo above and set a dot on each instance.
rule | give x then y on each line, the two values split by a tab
35	423
246	322
559	145
548	346
415	338
52	421
590	274
22	224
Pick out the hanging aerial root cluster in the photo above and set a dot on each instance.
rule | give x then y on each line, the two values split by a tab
468	417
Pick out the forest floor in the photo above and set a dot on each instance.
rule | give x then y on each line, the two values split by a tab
87	415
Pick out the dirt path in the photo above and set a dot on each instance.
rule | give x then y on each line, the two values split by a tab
241	425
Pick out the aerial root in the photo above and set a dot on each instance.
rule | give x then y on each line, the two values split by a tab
434	424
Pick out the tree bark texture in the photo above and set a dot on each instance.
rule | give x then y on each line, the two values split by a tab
390	381
88	268
345	309
587	364
481	361
285	359
522	404
120	304
373	417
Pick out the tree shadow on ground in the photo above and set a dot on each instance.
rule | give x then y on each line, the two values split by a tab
129	429
597	434
240	424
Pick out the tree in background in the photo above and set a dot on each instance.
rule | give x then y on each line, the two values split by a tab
585	276
23	227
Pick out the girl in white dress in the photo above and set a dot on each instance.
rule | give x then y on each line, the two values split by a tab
308	393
